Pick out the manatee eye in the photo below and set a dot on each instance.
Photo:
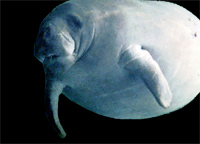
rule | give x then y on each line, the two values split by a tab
74	21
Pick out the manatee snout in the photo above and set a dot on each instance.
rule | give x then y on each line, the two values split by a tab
52	42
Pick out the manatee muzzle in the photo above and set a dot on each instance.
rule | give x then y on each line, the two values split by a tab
52	42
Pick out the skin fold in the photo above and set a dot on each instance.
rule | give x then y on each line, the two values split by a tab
124	59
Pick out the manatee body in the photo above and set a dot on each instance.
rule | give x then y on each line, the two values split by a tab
125	59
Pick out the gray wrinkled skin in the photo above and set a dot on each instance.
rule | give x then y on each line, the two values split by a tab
125	59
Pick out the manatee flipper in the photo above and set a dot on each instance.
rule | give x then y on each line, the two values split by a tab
134	58
53	89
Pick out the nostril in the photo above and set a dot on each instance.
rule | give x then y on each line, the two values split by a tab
44	32
49	31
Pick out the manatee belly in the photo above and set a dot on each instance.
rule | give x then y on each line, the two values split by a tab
124	97
130	103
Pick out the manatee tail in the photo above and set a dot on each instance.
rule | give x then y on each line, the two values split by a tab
52	91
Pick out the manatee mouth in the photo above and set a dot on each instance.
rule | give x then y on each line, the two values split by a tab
51	57
52	61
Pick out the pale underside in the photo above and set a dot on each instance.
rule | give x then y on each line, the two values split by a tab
100	85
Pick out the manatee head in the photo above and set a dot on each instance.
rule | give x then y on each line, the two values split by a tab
63	37
54	41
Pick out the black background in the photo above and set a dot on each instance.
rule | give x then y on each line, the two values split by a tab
22	113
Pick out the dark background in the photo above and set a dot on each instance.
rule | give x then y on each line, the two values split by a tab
22	113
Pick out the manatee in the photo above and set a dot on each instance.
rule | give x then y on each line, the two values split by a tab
123	59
